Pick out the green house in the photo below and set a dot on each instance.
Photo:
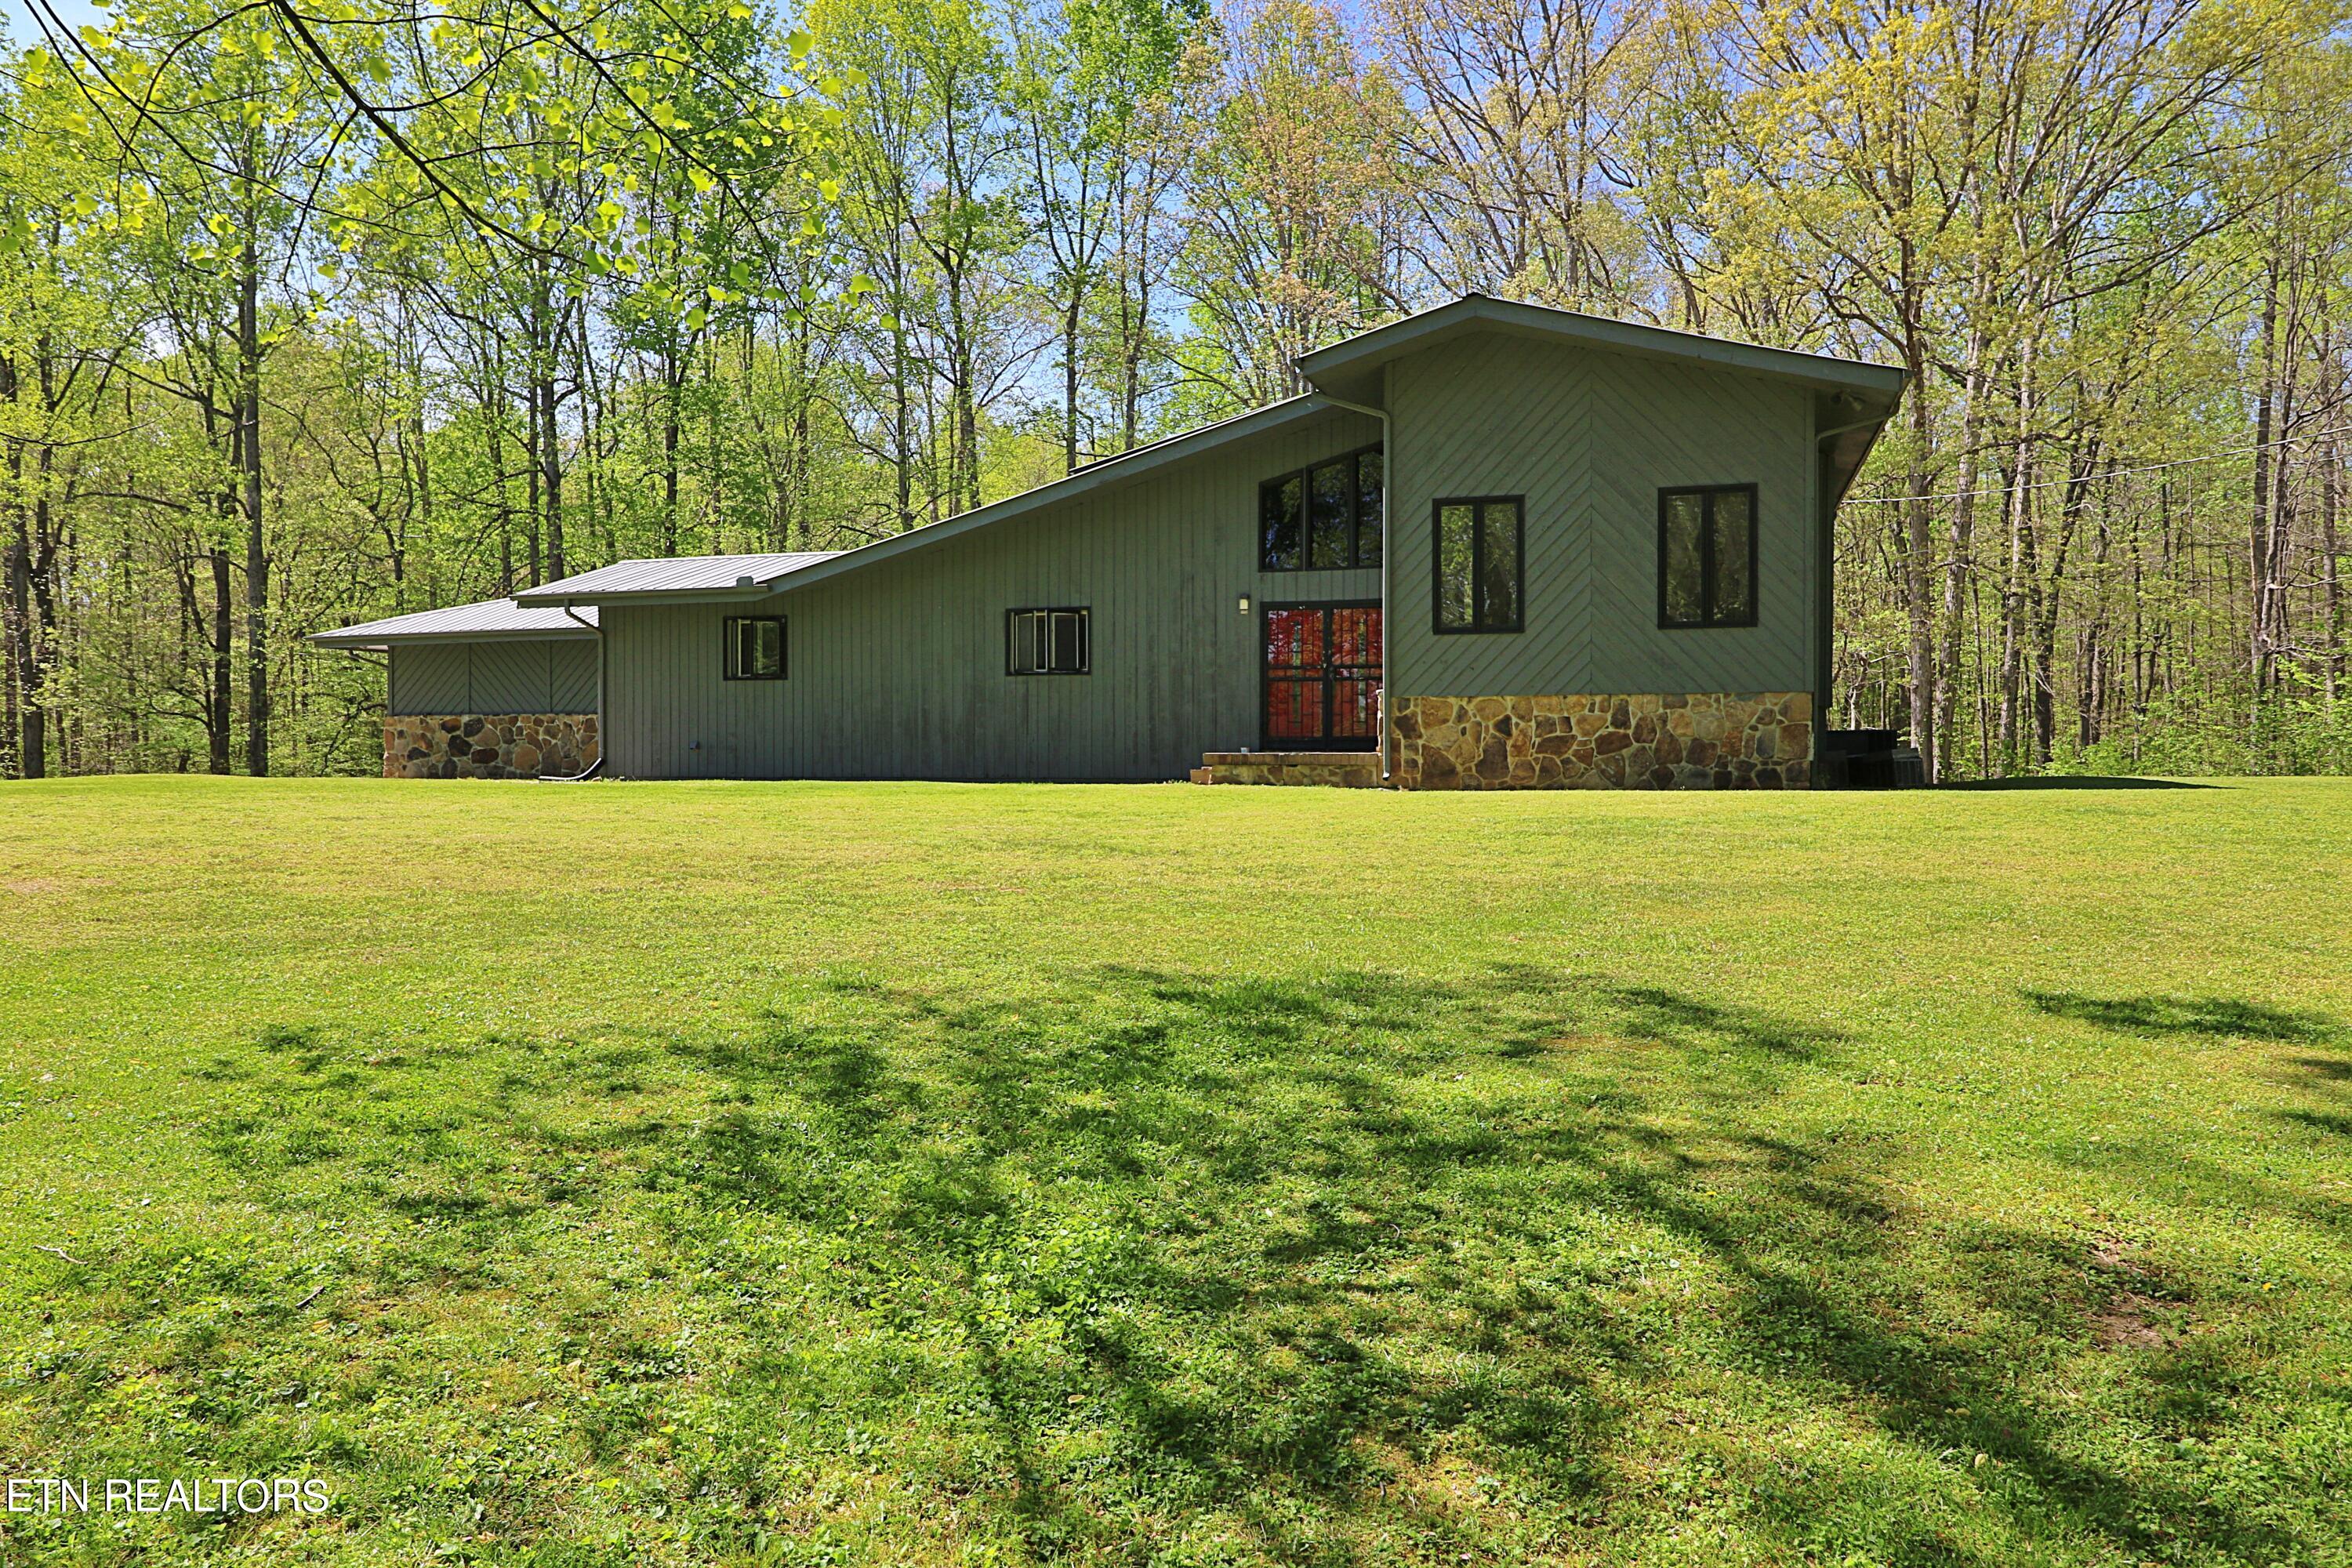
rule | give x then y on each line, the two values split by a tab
1532	548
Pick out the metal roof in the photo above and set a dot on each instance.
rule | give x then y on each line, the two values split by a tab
700	576
463	623
1351	367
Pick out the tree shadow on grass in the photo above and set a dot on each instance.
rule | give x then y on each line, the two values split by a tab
2204	1018
1312	1256
1368	1221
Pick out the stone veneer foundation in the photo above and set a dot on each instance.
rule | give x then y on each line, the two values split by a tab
487	745
1673	740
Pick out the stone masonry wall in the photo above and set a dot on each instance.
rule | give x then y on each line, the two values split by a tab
487	745
1697	739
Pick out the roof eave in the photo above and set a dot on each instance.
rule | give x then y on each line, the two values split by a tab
380	640
759	590
1350	369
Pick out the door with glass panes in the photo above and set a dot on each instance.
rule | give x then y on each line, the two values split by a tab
1322	677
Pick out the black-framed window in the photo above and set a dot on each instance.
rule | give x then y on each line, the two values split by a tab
1481	558
755	648
1325	516
1047	642
1706	556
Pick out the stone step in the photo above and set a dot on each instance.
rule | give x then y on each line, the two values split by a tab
1338	770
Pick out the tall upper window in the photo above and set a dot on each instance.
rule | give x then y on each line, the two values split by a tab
1706	556
755	648
1324	517
1046	642
1480	578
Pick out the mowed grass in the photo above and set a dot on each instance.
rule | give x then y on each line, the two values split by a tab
774	1175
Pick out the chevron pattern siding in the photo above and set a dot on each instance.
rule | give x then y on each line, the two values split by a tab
1589	439
505	675
571	677
509	678
429	677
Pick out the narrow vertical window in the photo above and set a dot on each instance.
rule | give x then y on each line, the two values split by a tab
1330	540
1706	556
754	648
1282	523
1371	485
1047	642
1481	570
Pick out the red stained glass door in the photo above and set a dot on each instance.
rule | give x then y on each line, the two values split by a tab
1322	665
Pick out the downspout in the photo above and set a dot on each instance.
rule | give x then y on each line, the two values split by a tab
1388	553
603	735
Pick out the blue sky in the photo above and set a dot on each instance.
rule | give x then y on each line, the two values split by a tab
18	16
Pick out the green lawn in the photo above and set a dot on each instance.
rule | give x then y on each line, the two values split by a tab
637	1174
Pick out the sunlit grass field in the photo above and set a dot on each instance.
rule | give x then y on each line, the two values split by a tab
782	1173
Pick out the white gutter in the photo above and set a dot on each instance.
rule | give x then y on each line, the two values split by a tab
1388	553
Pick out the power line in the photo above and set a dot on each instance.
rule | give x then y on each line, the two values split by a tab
2111	473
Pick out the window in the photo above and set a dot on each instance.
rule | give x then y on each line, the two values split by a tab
1706	556
755	648
1045	642
1480	582
1324	518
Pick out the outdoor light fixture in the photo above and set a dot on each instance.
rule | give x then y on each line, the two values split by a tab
1245	604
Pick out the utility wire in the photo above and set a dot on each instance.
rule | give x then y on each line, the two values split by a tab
1998	490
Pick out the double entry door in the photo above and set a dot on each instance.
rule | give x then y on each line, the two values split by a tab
1322	677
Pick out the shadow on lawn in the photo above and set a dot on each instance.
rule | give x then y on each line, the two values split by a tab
2205	1017
1329	1256
1405	1222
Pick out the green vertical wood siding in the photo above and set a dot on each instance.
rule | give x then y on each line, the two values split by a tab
1590	438
897	670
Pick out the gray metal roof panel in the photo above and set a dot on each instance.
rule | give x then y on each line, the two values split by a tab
490	618
1349	368
676	574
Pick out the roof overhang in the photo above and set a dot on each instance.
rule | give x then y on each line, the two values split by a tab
682	579
561	596
487	620
1351	370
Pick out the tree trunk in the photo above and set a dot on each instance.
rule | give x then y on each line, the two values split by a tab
1957	568
257	552
221	709
2258	553
1919	604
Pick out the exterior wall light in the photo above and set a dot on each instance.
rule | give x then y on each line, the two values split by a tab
1245	604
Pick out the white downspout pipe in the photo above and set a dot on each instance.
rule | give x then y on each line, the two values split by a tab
1388	553
603	732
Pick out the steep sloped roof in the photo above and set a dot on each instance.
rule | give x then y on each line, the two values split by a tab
1350	368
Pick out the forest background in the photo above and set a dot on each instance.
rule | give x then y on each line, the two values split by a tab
313	313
